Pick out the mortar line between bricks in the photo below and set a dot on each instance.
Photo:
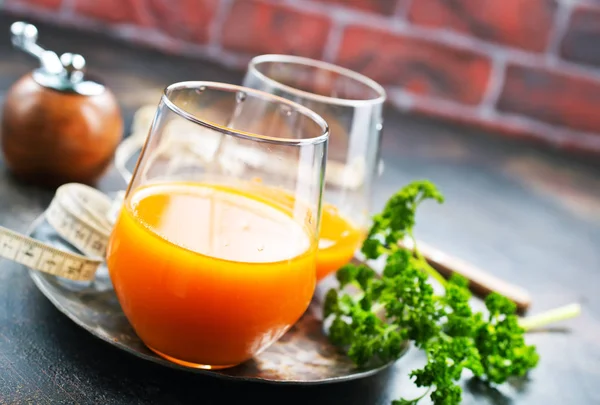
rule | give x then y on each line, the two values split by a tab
587	3
314	6
218	24
403	96
335	12
495	86
545	131
334	41
558	31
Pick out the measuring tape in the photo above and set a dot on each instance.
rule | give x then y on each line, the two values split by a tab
80	215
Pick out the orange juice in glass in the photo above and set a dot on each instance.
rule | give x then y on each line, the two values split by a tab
352	105
210	269
338	241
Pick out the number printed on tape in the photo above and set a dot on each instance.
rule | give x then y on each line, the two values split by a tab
8	246
78	213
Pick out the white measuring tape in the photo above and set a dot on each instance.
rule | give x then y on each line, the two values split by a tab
79	214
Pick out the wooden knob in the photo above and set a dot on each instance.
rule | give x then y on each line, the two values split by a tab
51	137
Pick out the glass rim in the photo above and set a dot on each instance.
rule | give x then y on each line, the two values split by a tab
320	121
319	64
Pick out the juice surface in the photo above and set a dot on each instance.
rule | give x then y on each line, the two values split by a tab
338	240
209	275
339	237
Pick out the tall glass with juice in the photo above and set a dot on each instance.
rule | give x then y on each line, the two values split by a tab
210	265
352	105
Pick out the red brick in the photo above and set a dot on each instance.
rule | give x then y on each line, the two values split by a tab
49	4
385	7
113	11
418	66
581	40
189	21
520	23
552	97
256	27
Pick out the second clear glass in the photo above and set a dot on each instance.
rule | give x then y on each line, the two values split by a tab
352	105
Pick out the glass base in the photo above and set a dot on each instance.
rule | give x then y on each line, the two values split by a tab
191	365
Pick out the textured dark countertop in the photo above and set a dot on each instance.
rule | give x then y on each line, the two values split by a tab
524	213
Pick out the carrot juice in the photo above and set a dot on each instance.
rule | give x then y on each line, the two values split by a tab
339	237
209	275
338	241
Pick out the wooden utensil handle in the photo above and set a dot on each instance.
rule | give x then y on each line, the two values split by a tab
481	283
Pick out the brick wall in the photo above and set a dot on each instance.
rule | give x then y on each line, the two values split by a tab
527	68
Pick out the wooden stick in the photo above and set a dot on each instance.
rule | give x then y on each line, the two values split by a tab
480	282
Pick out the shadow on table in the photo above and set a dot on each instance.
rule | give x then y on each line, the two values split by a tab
481	389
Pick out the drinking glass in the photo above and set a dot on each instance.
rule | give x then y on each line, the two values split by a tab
213	254
352	105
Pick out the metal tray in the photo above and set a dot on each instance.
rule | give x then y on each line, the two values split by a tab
302	356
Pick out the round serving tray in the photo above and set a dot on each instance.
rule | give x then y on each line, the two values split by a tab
302	356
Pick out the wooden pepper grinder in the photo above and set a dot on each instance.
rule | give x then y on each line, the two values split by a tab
58	126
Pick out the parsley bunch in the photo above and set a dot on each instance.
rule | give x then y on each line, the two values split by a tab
402	305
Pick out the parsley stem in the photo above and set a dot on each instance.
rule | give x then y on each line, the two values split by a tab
420	397
549	317
426	267
432	272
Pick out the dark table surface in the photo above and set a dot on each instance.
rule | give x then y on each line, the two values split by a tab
524	213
